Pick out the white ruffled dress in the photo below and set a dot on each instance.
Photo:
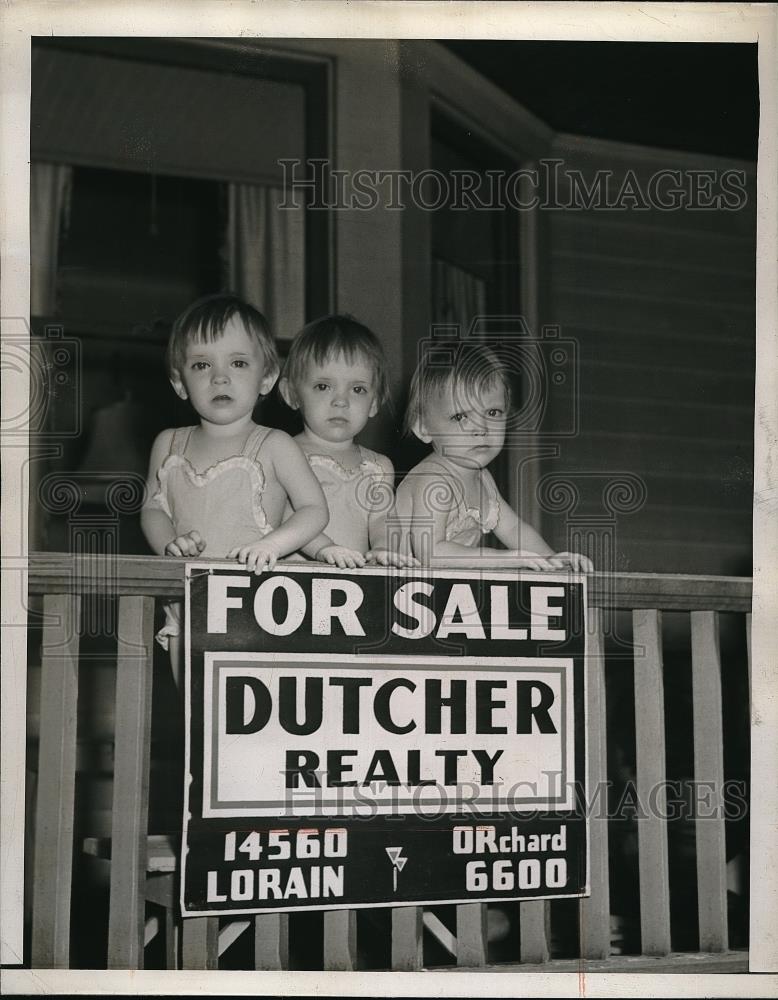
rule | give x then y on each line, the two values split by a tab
223	503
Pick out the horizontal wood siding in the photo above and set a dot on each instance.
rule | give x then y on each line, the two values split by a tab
660	305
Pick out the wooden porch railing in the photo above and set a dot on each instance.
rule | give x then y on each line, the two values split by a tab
64	580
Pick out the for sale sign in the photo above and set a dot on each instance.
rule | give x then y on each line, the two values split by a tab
376	738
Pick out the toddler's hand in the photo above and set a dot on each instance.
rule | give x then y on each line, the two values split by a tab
575	561
386	557
189	544
542	564
341	556
258	557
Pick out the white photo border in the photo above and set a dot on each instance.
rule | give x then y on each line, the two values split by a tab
20	20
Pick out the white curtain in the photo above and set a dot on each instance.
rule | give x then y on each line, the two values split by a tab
265	255
457	296
50	186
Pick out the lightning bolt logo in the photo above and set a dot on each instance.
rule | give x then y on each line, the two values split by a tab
398	863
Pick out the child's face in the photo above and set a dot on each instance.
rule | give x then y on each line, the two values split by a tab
468	428
336	399
224	378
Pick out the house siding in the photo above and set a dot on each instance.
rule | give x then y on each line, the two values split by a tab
661	305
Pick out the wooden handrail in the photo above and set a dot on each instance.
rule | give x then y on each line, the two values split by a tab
157	576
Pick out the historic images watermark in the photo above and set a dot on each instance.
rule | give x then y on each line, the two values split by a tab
89	505
670	800
551	185
52	365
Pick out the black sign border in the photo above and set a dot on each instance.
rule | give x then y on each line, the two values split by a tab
581	741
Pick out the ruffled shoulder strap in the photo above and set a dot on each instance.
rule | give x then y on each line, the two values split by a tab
490	514
448	475
178	444
255	440
460	510
370	458
180	440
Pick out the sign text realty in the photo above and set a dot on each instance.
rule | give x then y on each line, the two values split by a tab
370	738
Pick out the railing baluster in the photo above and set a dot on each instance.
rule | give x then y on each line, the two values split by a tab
340	940
652	794
271	942
56	783
200	943
748	653
533	924
471	935
407	938
171	938
160	889
129	824
595	910
709	769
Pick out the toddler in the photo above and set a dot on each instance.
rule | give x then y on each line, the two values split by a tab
450	500
335	376
220	488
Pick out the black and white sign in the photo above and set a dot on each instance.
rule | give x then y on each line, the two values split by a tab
380	738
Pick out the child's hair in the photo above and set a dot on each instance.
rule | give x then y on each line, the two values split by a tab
204	321
469	364
330	336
